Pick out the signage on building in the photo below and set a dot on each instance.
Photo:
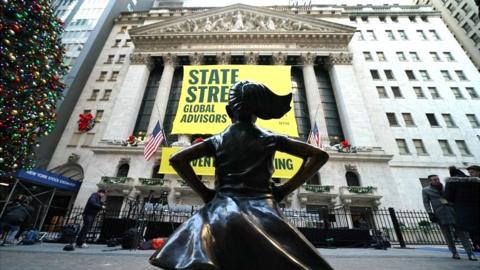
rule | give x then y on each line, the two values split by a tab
204	95
46	178
285	165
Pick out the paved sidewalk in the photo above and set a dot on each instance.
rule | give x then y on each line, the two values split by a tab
51	256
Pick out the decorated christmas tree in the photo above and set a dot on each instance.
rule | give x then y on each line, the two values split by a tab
31	56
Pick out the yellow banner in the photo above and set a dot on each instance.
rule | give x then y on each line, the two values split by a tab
201	109
285	165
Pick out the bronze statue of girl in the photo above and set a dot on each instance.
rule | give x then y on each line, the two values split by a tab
241	226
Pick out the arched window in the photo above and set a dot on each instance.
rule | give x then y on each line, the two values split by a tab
352	179
314	180
123	170
155	173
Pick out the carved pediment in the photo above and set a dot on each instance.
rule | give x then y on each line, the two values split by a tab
241	18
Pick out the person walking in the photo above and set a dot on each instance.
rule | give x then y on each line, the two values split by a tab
440	212
17	213
93	206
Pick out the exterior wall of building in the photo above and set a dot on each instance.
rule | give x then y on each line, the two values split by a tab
379	164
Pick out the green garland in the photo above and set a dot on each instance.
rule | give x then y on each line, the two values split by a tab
114	180
362	190
317	188
152	181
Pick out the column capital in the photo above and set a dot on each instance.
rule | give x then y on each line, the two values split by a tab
251	58
142	59
279	58
223	58
169	59
338	59
196	58
307	58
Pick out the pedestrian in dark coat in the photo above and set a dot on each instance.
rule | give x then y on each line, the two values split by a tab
464	193
474	171
93	206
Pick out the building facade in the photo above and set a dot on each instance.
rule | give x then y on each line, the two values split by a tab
463	19
392	80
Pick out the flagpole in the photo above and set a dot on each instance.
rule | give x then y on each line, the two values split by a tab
161	122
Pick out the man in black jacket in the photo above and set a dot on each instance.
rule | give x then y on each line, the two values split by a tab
93	206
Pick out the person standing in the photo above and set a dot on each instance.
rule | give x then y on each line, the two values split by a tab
440	212
93	206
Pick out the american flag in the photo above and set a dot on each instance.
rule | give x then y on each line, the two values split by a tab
154	141
314	136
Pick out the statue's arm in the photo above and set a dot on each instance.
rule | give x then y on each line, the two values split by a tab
181	163
313	159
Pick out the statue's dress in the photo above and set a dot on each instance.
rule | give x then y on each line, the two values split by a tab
242	227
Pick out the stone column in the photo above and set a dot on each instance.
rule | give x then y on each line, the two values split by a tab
351	106
223	58
315	108
163	92
129	98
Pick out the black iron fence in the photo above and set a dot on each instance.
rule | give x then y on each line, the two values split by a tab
398	226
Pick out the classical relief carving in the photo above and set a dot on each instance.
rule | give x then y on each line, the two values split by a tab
251	58
240	21
308	58
223	58
141	59
169	59
196	58
279	58
340	58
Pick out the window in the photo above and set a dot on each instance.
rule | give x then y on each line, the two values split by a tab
432	120
352	179
98	115
371	35
123	30
449	56
396	92
123	170
451	7
419	92
412	19
127	43
414	56
87	111
389	74
375	74
434	92
121	58
359	35
408	119
392	120
434	34
458	17
456	92
367	56
364	19
473	120
382	19
394	19
390	35
422	35
462	146
103	74
109	59
446	75
382	93
107	94
424	75
466	8
448	120
403	35
114	76
353	19
381	56
447	151
419	147
461	75
117	43
435	56
471	91
466	27
94	94
424	18
402	147
410	75
475	38
401	56
475	18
